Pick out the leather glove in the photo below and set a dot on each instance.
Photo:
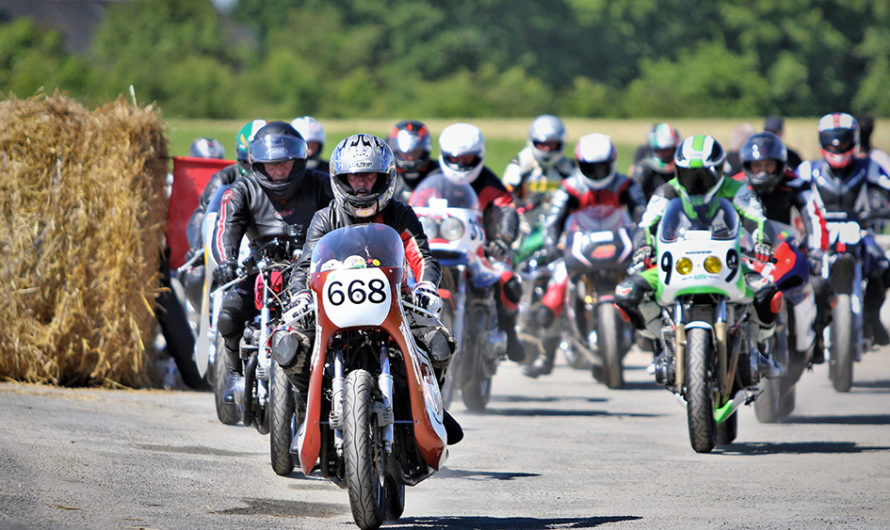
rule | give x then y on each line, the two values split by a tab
427	296
763	252
498	249
643	255
226	271
301	308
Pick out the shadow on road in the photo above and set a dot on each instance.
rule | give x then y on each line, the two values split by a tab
280	508
862	419
876	386
761	448
510	398
448	472
517	523
564	413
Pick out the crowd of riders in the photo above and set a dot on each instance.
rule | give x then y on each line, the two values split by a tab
280	186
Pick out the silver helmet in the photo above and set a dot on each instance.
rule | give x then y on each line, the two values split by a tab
461	152
547	138
362	153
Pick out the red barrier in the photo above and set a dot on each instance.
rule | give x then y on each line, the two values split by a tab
190	175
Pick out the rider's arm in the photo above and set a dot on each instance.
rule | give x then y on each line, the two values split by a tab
561	205
234	215
320	225
633	199
423	263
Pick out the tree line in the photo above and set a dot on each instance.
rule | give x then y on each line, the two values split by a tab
470	58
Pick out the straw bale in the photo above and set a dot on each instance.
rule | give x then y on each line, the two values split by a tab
82	196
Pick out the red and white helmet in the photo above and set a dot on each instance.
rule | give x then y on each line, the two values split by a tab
461	152
596	156
838	139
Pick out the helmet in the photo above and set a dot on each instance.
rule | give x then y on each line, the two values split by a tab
461	152
662	140
242	143
278	142
838	139
764	146
207	148
411	144
596	156
547	138
362	153
699	167
311	131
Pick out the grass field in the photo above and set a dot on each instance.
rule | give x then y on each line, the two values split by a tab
504	138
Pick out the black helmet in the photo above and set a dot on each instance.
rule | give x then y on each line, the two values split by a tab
411	145
764	146
278	142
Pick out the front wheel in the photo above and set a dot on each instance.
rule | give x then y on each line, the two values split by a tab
281	420
608	341
361	452
843	345
699	404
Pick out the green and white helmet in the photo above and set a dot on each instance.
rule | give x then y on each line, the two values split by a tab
699	167
242	143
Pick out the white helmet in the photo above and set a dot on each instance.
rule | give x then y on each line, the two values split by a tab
206	148
461	152
547	138
596	156
311	131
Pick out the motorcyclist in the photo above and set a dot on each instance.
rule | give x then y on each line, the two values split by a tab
193	277
594	182
412	145
277	198
363	178
782	192
462	159
844	182
312	131
699	182
539	168
656	166
204	147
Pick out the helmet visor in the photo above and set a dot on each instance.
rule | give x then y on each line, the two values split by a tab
462	162
837	140
697	180
595	170
548	145
666	155
277	148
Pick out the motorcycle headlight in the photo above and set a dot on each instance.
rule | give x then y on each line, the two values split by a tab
684	266
713	265
430	226
452	229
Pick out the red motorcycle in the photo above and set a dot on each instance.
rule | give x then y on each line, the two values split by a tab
374	414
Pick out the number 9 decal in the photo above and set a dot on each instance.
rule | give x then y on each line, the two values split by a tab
667	265
732	263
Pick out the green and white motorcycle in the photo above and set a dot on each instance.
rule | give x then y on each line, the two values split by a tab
709	338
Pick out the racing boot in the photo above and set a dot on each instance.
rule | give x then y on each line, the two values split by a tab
453	431
543	364
767	366
507	323
235	376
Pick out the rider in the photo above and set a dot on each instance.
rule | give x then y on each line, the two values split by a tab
312	131
277	197
656	166
193	278
363	178
411	144
462	159
845	182
594	182
540	166
206	148
699	183
781	191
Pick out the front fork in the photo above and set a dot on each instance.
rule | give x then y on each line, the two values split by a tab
720	336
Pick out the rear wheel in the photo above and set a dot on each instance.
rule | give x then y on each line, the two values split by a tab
361	452
699	401
608	342
281	420
475	390
226	412
843	345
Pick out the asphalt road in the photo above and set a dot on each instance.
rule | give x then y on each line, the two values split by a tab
558	452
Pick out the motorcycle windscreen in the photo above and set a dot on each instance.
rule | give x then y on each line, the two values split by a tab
597	238
436	190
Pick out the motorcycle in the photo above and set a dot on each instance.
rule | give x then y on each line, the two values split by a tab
374	415
710	356
449	213
597	247
266	399
794	340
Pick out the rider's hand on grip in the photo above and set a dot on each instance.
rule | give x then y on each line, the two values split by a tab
226	271
301	309
427	296
763	252
498	249
643	256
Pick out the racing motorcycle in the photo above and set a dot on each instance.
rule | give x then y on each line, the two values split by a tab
709	353
597	247
374	415
266	399
449	213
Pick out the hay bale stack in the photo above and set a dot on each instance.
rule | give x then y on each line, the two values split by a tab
82	197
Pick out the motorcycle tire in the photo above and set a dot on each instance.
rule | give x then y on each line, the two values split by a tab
843	345
227	413
608	342
362	451
475	390
448	386
282	406
772	404
728	430
699	401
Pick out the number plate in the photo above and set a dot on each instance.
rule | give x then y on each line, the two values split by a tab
357	297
